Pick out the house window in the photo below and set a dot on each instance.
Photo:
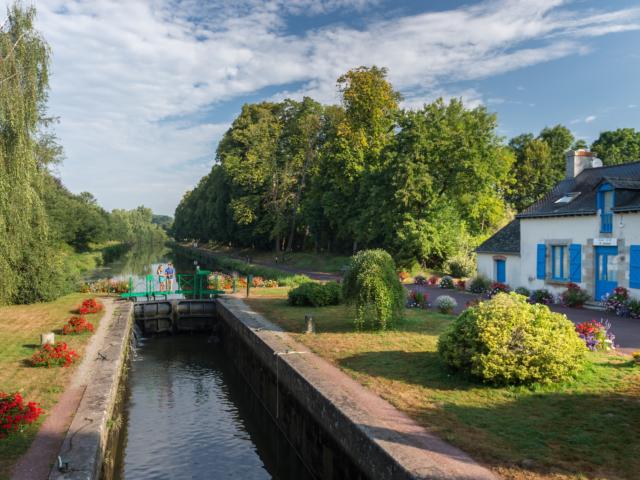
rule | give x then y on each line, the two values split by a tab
559	262
606	199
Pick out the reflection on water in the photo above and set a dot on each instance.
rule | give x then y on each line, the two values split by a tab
139	260
189	415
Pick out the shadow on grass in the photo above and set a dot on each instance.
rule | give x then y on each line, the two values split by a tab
591	434
555	429
31	346
417	368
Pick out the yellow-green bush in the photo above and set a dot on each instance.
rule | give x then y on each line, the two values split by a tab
506	340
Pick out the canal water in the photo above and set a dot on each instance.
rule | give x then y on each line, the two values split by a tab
187	413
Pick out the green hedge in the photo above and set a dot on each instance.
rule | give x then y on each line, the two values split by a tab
316	294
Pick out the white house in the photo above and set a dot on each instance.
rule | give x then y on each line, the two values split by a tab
586	230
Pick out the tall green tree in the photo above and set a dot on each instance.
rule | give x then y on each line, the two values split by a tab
29	263
370	108
534	171
559	139
618	146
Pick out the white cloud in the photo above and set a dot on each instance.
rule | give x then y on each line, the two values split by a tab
590	119
132	80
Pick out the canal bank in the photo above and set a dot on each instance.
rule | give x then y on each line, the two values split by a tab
340	429
82	453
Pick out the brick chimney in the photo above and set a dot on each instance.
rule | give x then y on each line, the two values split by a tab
578	160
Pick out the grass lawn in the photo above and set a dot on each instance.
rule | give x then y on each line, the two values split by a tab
586	428
20	329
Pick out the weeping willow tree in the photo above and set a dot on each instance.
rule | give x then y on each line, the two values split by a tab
30	268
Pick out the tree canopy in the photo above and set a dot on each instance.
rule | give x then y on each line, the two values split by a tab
364	174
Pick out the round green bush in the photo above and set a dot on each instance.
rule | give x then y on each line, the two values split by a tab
372	286
479	284
506	340
314	294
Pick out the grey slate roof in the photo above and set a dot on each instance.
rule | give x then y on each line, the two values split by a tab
624	178
505	240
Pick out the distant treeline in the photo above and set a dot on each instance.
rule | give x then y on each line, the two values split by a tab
44	228
427	185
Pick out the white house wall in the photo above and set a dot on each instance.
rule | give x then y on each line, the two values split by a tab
578	229
487	267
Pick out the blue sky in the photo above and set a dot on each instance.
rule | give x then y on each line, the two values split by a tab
145	89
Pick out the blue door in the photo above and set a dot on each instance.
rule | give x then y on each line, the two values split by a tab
605	275
501	273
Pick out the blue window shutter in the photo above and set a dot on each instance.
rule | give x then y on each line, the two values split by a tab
541	268
575	262
634	266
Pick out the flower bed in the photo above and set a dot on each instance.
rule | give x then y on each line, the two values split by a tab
76	326
433	280
106	286
90	305
596	335
498	287
574	296
446	282
461	285
417	300
420	280
54	355
15	414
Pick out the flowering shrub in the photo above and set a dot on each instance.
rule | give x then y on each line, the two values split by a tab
77	325
257	282
403	275
498	287
14	414
617	301
417	300
461	285
479	284
445	304
523	291
446	282
433	280
90	305
574	296
596	335
542	296
506	340
54	355
270	284
420	280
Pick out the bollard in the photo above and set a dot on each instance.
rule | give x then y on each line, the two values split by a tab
310	325
48	337
249	280
234	283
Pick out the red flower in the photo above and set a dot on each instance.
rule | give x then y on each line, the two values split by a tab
14	414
